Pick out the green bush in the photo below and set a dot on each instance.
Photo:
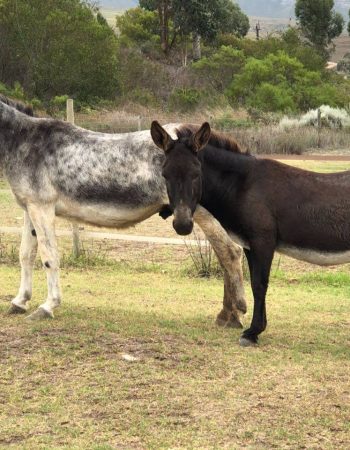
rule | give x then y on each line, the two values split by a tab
139	25
219	69
281	83
226	123
184	100
270	97
143	97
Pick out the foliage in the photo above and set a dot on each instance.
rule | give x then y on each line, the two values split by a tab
219	69
57	46
138	73
139	25
209	17
294	44
226	123
203	17
15	92
281	83
319	22
290	41
144	97
184	100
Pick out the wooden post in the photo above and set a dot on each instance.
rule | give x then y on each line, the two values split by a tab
139	123
319	126
75	228
257	30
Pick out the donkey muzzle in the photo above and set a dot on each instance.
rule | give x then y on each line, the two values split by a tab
183	221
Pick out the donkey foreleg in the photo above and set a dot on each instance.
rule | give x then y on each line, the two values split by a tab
43	219
229	255
28	250
259	259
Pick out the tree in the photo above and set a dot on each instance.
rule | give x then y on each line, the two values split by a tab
219	70
55	47
281	83
138	25
201	18
349	23
319	22
164	9
207	18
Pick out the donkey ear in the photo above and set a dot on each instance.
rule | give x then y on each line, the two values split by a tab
201	138
160	137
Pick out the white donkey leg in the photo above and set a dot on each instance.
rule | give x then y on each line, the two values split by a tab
28	250
43	218
230	257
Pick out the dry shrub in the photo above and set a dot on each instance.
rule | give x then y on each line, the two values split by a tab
274	140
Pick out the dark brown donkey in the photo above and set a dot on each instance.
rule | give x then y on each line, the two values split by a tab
266	205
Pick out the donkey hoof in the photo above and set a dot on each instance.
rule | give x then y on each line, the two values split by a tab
15	309
40	314
230	323
245	342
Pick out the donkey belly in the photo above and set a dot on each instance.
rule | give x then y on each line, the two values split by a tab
315	256
105	215
321	258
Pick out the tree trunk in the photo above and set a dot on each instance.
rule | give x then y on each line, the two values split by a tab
163	10
197	54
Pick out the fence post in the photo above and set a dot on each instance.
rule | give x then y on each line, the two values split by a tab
319	126
139	123
75	227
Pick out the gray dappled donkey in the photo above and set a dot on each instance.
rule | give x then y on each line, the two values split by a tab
111	180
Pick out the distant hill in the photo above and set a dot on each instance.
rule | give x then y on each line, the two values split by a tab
282	8
118	4
262	8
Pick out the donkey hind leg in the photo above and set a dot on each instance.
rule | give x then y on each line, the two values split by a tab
43	218
229	255
28	250
259	261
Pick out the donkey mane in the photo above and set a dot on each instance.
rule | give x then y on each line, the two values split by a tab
217	139
25	109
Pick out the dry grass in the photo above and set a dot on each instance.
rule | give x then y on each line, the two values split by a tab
273	140
342	46
130	115
260	139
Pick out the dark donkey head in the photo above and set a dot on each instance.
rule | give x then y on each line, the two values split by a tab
182	172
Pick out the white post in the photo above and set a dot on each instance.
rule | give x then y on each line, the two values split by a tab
319	126
75	228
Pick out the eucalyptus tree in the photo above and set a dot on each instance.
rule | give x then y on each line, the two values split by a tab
319	22
199	18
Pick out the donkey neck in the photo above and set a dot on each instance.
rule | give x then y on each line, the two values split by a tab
14	126
225	173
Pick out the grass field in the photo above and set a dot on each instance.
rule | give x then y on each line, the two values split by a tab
66	383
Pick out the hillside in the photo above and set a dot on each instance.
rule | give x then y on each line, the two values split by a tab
282	8
118	4
267	8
